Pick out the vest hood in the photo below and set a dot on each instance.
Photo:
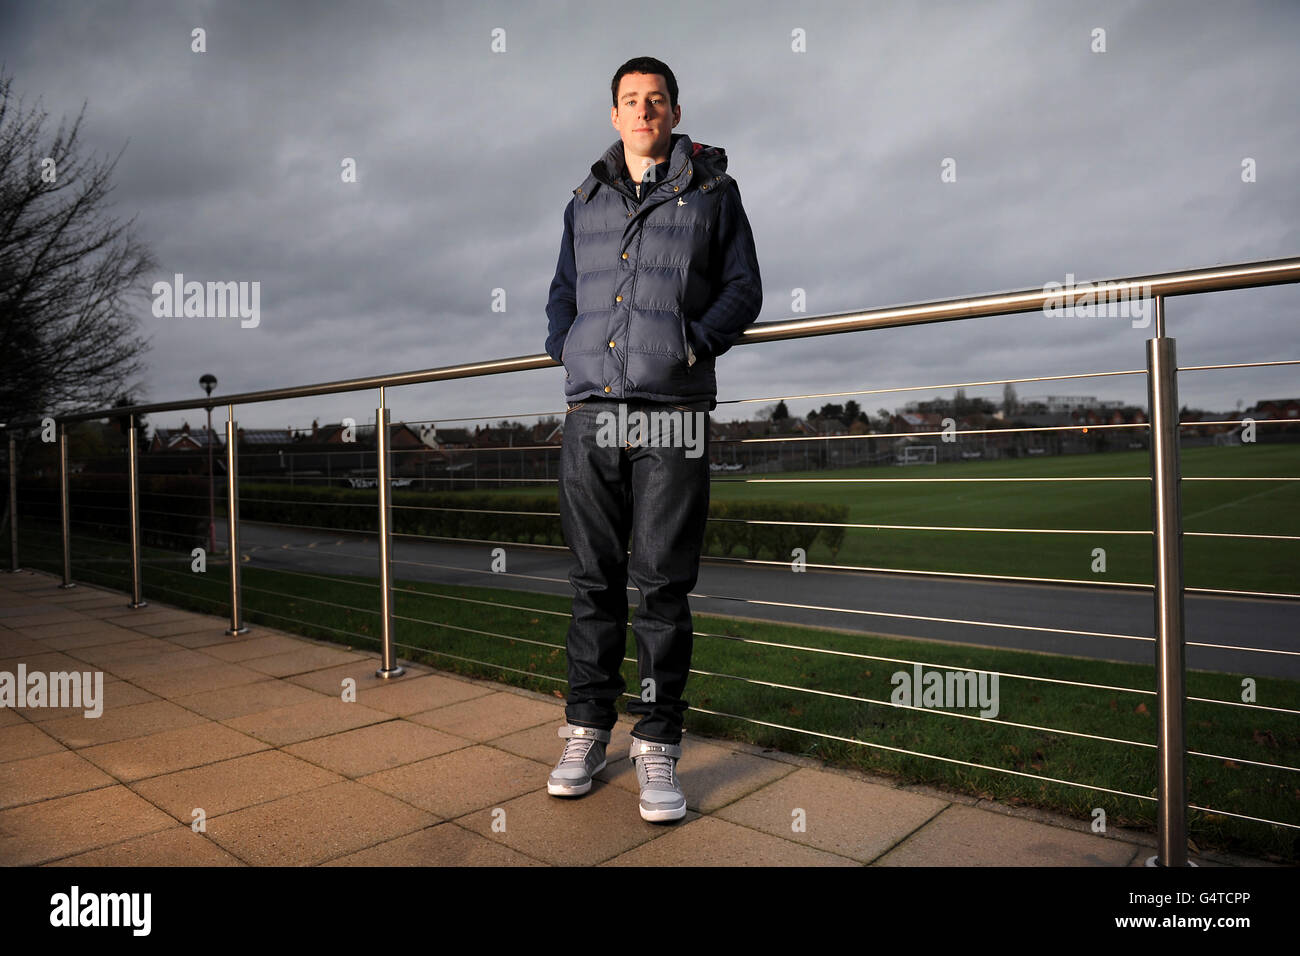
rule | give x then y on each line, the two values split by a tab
687	161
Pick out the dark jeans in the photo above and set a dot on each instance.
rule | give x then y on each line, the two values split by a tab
659	497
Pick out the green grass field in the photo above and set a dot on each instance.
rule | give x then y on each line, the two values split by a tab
1251	507
518	638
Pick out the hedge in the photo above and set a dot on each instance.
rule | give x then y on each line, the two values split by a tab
476	515
173	508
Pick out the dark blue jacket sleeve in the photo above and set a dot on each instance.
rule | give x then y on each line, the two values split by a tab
562	307
737	285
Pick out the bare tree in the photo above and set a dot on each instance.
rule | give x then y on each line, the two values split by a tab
68	272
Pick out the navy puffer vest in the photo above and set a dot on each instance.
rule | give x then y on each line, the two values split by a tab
643	274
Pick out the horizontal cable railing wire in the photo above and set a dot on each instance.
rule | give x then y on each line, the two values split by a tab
1218	278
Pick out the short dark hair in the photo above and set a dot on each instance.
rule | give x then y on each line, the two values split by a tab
645	64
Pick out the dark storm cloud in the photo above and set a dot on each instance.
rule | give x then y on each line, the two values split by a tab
1068	161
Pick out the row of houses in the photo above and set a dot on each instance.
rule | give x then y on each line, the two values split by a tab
338	436
339	453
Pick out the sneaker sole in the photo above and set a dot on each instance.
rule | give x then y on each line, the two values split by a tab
663	816
562	790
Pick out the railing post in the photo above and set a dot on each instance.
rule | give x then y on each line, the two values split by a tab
63	507
232	518
388	666
13	505
133	489
1166	522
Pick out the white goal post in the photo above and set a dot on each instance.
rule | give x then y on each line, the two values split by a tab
918	455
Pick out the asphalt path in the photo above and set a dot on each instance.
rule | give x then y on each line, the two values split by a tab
1020	616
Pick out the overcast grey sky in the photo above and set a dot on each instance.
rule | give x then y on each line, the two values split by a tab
1068	161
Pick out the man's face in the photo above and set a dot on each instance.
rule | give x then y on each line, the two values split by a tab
642	116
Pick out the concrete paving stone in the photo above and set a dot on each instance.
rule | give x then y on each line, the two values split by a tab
329	680
106	655
414	695
20	607
21	741
315	718
171	750
87	596
544	744
179	659
210	636
28	579
444	844
212	677
49	776
1040	815
377	747
965	836
840	815
153	614
10	717
42	618
22	600
708	841
80	594
307	829
581	831
117	693
938	793
24	585
485	718
91	594
52	829
263	646
175	846
83	588
14	646
46	662
242	699
102	633
173	628
309	657
1143	853
233	784
463	780
63	629
120	723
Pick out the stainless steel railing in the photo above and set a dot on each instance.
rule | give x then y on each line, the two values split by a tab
1168	587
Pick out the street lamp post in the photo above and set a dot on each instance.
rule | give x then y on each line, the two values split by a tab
209	382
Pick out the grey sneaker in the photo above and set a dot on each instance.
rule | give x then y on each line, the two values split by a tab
662	798
584	755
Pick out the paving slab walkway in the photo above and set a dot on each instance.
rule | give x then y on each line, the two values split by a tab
214	750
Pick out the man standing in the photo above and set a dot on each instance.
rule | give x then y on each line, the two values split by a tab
657	276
